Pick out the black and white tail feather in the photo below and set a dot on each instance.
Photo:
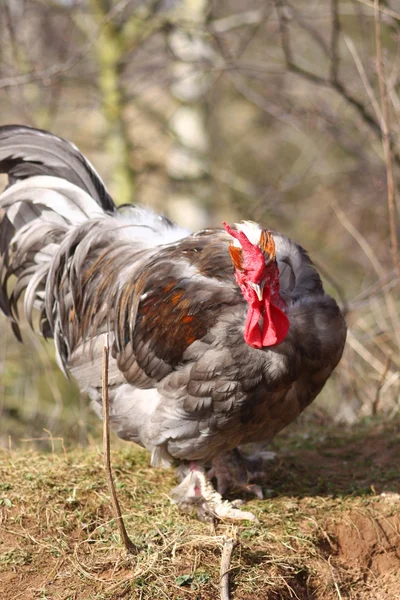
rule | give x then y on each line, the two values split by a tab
56	203
27	152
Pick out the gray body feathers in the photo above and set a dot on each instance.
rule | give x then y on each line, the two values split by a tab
183	382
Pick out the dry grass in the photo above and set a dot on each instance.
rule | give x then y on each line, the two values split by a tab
329	526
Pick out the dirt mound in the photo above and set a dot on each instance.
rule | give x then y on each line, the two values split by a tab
368	549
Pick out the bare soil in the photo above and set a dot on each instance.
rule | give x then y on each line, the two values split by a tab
329	526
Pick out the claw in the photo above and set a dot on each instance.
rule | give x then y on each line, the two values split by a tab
196	490
226	510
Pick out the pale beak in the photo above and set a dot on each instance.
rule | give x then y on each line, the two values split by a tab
258	290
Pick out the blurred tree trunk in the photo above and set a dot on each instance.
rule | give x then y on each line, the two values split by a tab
110	53
187	163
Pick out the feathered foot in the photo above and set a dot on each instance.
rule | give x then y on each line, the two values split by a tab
196	490
234	471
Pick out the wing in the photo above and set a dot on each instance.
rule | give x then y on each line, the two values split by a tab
156	302
183	292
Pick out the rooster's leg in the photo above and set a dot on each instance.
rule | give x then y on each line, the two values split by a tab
196	490
235	472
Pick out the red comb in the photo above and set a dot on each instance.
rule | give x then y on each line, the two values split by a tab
239	235
253	258
275	324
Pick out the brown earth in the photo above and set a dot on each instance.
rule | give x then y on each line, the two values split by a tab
367	546
329	526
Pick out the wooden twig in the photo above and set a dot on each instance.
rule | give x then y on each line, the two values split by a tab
332	80
363	76
335	36
130	547
359	238
226	556
380	271
295	15
369	358
383	9
377	398
57	70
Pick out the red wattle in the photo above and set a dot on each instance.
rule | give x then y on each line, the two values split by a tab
275	326
252	331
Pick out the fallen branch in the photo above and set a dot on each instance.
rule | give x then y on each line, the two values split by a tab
130	547
226	556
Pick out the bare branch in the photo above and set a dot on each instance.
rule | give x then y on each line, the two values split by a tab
359	106
377	398
380	271
226	556
368	357
130	547
335	36
363	77
248	17
284	30
259	100
383	9
360	239
252	32
46	75
304	24
332	81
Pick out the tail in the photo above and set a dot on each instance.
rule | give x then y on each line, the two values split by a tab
27	152
51	188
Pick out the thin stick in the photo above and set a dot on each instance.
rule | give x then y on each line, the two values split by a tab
363	76
375	403
383	9
380	271
106	448
226	556
366	355
335	35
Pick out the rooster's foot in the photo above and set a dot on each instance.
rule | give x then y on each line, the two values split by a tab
196	491
235	471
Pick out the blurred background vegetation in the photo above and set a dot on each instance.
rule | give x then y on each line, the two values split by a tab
286	113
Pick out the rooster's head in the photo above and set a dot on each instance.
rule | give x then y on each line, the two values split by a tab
253	256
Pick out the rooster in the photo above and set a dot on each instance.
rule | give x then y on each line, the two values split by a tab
219	338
